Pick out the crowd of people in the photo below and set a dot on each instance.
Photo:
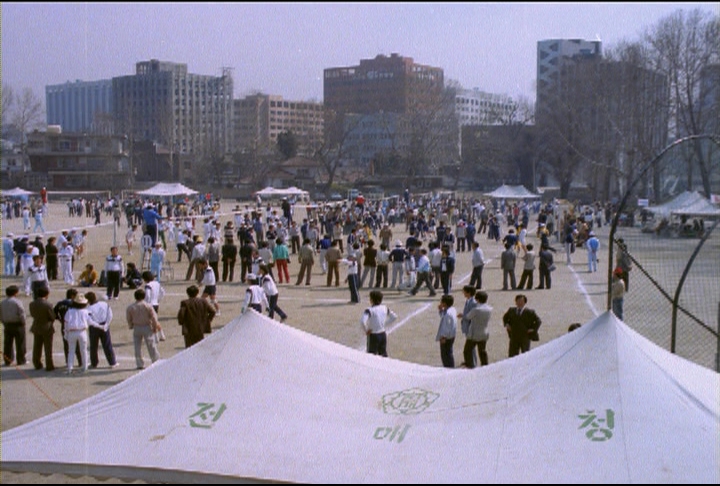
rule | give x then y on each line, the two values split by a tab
362	237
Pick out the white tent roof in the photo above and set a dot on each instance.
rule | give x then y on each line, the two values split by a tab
679	203
16	192
168	189
260	400
290	191
511	192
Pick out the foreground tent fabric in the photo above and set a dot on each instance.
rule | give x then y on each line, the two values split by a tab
511	192
261	401
168	189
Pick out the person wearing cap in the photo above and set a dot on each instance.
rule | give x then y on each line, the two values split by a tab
12	316
8	255
255	297
617	292
77	322
271	292
593	245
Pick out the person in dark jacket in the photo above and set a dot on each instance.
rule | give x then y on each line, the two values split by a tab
195	316
522	326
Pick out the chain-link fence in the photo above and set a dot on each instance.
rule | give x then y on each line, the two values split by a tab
673	296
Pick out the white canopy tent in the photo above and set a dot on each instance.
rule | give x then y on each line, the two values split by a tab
511	192
679	203
262	401
168	189
16	192
275	192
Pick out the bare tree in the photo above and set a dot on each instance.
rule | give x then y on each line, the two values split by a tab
27	113
8	99
684	46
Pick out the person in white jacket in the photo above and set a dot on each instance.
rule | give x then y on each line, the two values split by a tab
100	317
255	297
271	293
77	321
374	322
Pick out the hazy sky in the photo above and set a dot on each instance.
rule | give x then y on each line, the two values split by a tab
282	49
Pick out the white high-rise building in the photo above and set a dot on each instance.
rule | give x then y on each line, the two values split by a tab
476	107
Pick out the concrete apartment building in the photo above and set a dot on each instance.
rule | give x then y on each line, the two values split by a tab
260	118
76	105
392	84
162	102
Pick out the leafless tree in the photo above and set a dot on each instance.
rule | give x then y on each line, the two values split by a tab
8	99
26	112
685	47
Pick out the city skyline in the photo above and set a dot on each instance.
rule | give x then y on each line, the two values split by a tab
489	46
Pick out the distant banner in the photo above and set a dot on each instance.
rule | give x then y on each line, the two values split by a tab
715	198
643	203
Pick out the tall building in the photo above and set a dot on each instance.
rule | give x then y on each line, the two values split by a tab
162	102
391	84
74	105
552	56
260	118
475	107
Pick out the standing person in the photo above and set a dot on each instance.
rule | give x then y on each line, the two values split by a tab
12	316
478	263
198	253
42	329
100	317
352	278
522	326
9	255
447	268
470	303
528	267
26	264
39	221
281	255
113	273
307	260
246	253
212	254
369	264
397	258
151	218
374	322
51	258
592	245
77	321
383	259
324	246
38	276
255	297
271	292
61	309
447	330
333	256
181	244
507	263
142	320
617	293
157	260
546	262
478	333
154	292
435	256
195	316
210	284
624	262
131	238
229	253
423	274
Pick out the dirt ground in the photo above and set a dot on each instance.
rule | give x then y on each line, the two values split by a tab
28	394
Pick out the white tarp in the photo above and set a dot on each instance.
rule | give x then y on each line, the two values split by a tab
168	189
274	192
678	204
511	192
260	400
16	192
